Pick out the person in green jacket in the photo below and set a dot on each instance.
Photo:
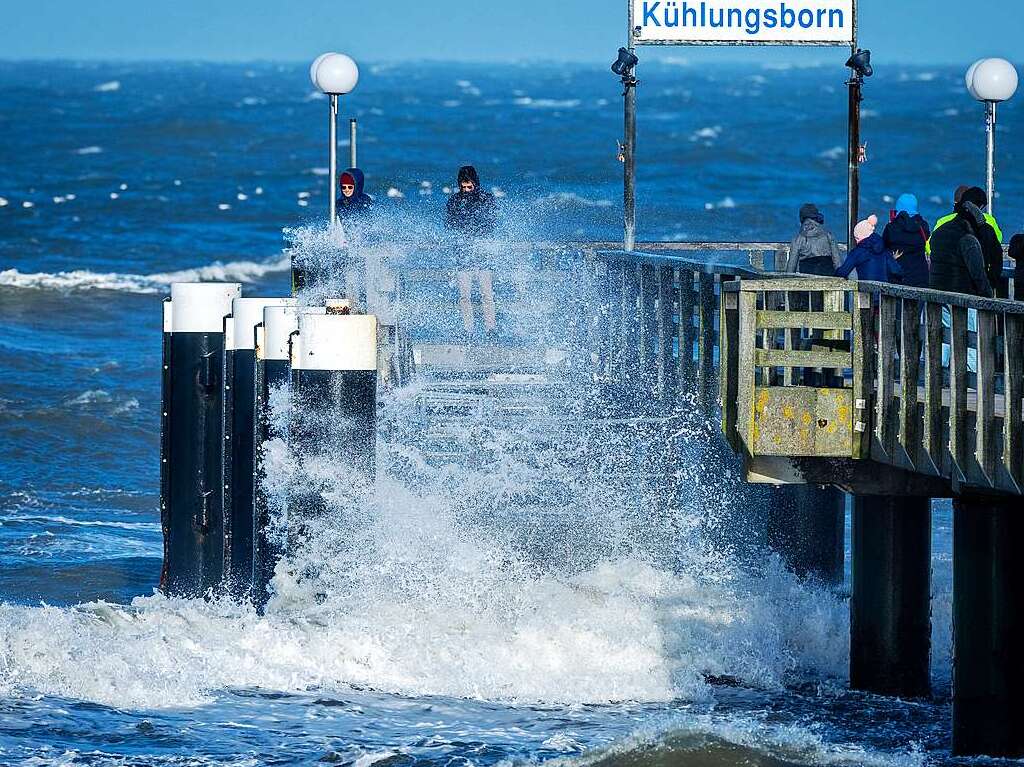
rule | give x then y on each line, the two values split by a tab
981	202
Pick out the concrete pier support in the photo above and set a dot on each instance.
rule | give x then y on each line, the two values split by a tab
806	525
988	627
192	438
890	607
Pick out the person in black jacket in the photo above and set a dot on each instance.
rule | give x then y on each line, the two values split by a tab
471	210
353	203
473	213
908	233
958	262
991	247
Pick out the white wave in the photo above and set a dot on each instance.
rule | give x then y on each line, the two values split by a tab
89	150
709	133
90	397
570	199
532	103
108	87
833	153
81	279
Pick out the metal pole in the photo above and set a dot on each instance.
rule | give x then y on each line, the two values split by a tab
333	159
629	160
352	163
853	177
990	164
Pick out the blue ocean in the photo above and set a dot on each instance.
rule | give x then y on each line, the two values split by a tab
509	607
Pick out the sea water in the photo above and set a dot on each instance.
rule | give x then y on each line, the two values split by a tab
559	586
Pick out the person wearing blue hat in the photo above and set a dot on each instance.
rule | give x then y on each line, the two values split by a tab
907	233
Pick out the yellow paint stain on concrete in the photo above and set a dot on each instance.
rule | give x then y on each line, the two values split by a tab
787	412
807	419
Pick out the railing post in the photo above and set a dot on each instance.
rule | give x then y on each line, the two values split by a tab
863	373
728	345
747	335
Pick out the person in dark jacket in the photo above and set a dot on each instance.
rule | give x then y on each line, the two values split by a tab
814	250
1017	254
471	210
908	233
870	258
958	262
354	202
991	243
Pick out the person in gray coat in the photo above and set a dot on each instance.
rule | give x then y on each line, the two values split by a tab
814	250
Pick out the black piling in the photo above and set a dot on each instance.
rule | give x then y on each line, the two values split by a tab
890	607
239	425
988	627
806	525
334	416
192	438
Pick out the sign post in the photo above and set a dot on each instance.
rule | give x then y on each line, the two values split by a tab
742	23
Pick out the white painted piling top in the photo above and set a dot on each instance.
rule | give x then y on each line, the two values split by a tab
335	342
279	322
200	307
246	314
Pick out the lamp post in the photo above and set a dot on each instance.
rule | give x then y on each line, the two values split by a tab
860	68
334	74
991	81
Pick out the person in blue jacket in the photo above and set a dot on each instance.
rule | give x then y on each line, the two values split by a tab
908	233
872	260
353	202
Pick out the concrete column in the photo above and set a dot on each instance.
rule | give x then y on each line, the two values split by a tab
988	627
192	437
890	607
806	524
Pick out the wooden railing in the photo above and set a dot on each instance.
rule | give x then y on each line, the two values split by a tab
920	380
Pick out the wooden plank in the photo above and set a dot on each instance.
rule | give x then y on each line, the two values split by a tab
812	284
687	331
729	323
747	339
1013	423
808	320
957	393
666	332
910	356
801	359
835	303
790	341
932	439
863	369
706	354
885	431
630	316
613	318
985	425
647	338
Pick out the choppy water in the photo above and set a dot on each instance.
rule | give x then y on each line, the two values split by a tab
554	605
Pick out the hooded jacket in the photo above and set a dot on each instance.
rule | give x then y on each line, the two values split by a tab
872	261
359	203
473	213
909	234
814	250
1017	254
958	261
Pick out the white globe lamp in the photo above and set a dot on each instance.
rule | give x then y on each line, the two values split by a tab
336	75
991	81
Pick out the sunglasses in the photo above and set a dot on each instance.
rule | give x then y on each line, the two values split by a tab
347	186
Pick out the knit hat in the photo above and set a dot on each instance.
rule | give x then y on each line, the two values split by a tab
865	228
347	179
907	203
959	193
810	211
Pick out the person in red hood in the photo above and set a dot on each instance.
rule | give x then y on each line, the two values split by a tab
353	202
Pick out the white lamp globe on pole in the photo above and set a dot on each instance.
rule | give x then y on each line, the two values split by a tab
336	75
991	81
